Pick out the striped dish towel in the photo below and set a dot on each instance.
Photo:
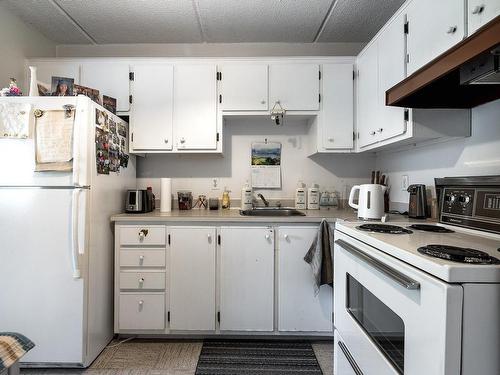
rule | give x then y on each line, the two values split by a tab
12	347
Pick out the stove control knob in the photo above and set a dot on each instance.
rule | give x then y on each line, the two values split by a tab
453	198
464	199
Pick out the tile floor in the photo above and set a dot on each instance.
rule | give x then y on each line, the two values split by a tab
148	357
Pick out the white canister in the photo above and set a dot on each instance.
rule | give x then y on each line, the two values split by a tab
246	197
313	198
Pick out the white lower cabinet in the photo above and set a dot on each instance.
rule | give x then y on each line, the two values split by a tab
299	309
141	311
192	278
246	279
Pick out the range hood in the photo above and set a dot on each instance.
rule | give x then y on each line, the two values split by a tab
465	76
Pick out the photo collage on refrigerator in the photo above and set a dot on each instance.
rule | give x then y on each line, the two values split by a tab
111	143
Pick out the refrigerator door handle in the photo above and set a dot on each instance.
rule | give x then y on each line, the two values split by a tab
82	212
74	234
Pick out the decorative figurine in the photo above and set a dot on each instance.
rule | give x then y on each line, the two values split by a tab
12	90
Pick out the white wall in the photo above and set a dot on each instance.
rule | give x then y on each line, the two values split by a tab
477	155
195	172
210	50
19	41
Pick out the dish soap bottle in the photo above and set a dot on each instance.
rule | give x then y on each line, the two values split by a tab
313	197
246	197
300	196
226	201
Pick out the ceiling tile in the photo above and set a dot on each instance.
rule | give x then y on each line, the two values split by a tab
357	20
136	21
233	21
43	16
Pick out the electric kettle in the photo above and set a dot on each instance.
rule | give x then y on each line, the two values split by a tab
370	202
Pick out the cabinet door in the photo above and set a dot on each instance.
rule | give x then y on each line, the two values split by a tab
368	103
299	309
391	70
111	79
480	12
195	107
244	87
337	117
246	279
151	110
434	27
192	278
295	86
45	70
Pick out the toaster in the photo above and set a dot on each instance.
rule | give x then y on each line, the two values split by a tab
139	201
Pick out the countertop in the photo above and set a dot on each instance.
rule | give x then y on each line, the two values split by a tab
233	215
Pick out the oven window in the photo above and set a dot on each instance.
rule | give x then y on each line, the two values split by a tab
385	328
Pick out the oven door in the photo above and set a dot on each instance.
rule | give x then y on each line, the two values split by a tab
394	318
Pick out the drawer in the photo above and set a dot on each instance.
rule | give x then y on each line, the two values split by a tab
142	280
141	311
142	235
142	258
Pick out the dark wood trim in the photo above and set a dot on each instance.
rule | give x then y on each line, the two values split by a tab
442	72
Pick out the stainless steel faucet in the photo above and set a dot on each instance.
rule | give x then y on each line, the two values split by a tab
266	203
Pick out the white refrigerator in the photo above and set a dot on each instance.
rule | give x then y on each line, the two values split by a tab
56	247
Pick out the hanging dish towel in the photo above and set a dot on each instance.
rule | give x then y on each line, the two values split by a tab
320	257
54	140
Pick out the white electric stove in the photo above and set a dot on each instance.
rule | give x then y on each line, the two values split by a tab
419	297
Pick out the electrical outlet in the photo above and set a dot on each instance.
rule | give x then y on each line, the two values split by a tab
215	184
405	182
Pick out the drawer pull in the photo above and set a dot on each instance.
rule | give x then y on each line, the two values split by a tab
350	358
141	260
141	281
143	233
141	302
451	30
478	9
372	132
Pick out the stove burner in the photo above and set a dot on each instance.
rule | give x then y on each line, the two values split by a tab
430	228
384	228
458	254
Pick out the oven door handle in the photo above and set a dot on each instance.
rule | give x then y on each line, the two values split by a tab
390	272
349	358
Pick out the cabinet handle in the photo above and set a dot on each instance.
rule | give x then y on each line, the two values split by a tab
166	140
143	233
349	358
286	237
182	140
372	132
478	9
268	236
141	302
141	280
330	139
451	30
209	237
141	259
262	102
380	130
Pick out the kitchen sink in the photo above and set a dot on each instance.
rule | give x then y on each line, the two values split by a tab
272	211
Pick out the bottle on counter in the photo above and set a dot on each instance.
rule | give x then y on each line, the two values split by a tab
300	196
226	201
246	197
313	197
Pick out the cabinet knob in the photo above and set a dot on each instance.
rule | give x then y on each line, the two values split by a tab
141	280
143	233
330	139
380	130
141	302
262	102
372	132
478	9
451	30
165	140
286	237
268	236
141	259
182	140
209	237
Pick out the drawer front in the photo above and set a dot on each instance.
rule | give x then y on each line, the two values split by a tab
142	280
142	235
142	311
142	258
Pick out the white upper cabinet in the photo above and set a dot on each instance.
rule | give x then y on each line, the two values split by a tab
195	107
244	87
368	103
151	110
295	86
111	79
480	12
299	310
337	115
391	70
246	279
433	27
192	278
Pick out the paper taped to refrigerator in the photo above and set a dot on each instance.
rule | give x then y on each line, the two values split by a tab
54	140
15	120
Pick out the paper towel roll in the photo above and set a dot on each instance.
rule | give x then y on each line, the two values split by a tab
165	194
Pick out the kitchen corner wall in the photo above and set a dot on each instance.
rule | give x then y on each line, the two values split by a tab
196	172
18	41
474	156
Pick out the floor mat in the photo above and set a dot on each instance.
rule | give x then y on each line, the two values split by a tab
257	357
